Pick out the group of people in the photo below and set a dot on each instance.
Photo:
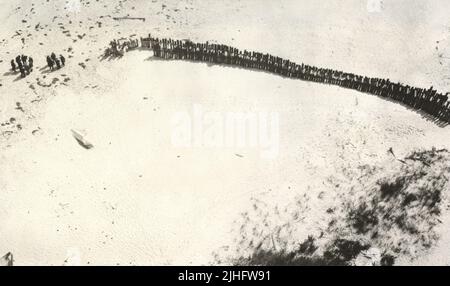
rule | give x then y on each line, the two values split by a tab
118	47
22	63
54	62
129	44
428	100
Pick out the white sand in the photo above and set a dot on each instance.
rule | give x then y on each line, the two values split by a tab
136	199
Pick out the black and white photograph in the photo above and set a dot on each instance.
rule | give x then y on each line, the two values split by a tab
224	133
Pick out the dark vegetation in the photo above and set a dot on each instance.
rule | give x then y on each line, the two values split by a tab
393	209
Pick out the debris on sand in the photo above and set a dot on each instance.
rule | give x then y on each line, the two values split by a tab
19	107
81	139
129	18
7	260
36	131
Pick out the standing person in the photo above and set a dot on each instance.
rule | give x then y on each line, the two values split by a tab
53	56
26	67
156	49
18	61
13	66
22	71
30	63
49	63
163	48
63	60
58	64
